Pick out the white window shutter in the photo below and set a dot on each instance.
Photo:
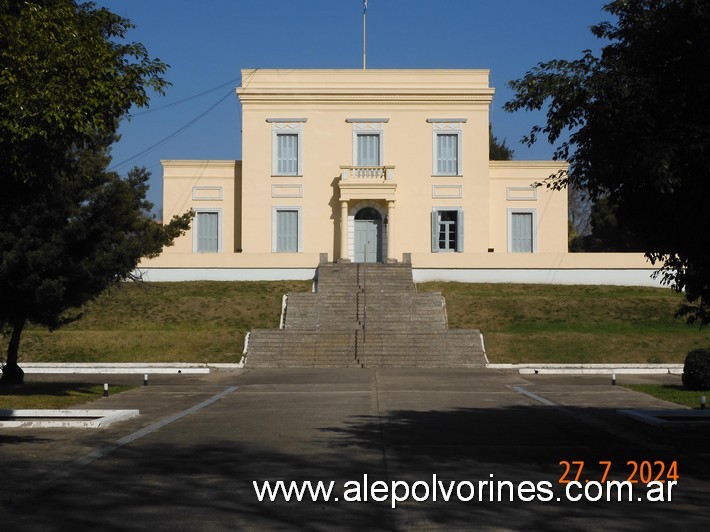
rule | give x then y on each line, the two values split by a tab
521	232
287	154
459	231
368	150
287	231
207	226
446	154
434	232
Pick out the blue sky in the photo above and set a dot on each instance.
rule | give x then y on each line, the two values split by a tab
208	42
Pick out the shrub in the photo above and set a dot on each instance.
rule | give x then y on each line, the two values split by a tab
696	371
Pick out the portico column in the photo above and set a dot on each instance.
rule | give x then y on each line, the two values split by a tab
390	232
344	231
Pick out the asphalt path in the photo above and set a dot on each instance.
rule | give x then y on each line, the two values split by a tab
190	461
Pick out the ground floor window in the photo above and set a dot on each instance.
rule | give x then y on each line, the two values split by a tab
447	230
286	230
207	231
522	231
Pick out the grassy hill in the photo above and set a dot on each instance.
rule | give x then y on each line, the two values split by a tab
206	321
164	322
572	324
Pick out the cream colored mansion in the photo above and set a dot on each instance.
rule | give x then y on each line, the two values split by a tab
372	166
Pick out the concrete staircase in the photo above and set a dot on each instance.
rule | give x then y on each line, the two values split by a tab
365	315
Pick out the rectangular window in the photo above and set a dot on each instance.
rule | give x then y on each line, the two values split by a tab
521	232
447	154
446	148
206	232
447	230
368	149
287	154
286	237
287	145
368	141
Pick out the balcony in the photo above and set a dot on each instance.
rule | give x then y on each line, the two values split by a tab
367	182
367	173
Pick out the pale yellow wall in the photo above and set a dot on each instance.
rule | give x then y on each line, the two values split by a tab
406	98
201	184
513	187
320	102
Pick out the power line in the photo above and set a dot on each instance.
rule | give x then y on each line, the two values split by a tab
171	136
245	82
189	98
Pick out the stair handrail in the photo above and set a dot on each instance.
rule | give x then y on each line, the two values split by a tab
364	309
284	304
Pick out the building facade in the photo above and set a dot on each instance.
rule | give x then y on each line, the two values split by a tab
364	166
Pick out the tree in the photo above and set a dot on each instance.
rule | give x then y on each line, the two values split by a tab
69	228
638	119
65	84
605	233
497	150
579	218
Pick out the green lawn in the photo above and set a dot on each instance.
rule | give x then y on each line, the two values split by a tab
52	395
206	322
675	393
164	322
572	324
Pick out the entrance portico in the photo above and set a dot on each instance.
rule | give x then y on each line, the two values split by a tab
367	197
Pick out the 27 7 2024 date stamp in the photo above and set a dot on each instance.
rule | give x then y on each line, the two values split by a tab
644	471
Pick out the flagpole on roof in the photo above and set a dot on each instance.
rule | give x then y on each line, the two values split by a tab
364	35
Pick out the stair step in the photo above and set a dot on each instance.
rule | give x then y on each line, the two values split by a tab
402	328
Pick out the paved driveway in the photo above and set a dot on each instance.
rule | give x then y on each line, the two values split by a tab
190	460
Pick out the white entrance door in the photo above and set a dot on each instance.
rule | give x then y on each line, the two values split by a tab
368	236
368	246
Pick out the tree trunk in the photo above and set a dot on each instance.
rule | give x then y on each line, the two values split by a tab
11	372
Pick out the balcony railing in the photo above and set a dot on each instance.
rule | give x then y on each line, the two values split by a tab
367	173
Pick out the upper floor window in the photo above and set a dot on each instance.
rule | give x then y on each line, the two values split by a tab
447	154
446	147
286	156
368	141
368	149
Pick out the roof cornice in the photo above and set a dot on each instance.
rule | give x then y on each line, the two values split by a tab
328	86
481	96
199	163
556	165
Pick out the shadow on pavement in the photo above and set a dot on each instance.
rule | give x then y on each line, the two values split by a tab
164	485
